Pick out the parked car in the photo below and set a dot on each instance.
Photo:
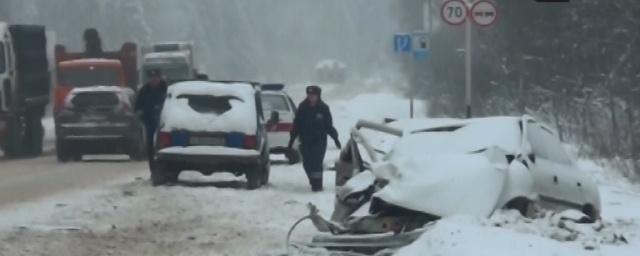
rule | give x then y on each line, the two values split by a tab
281	110
210	127
411	172
99	120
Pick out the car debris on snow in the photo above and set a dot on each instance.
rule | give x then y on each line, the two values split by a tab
430	169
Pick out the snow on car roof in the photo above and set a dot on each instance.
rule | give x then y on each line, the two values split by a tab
239	89
462	136
177	114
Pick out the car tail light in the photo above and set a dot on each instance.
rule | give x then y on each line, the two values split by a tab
180	138
250	142
235	140
163	140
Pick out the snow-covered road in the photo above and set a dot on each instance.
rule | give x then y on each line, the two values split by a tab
109	208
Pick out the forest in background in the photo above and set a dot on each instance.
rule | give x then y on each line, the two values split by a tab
575	65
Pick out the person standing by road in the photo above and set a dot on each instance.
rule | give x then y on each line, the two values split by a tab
149	104
312	124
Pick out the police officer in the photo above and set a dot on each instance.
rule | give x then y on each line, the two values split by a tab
312	124
149	104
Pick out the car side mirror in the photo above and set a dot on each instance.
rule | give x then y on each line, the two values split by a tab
275	117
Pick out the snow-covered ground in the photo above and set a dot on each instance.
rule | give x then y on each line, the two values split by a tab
216	216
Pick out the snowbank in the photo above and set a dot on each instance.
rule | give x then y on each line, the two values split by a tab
466	236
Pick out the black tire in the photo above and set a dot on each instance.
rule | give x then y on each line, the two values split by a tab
162	173
254	178
266	171
34	134
14	144
523	205
61	152
293	156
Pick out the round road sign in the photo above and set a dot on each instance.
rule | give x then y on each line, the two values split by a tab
454	12
484	13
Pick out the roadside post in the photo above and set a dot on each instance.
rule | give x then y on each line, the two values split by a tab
482	13
415	46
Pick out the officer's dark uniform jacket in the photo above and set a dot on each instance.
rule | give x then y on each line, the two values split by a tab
149	102
313	124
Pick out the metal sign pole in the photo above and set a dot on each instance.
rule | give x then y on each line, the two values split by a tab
413	86
468	66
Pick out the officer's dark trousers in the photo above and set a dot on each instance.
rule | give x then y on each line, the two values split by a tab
150	129
312	160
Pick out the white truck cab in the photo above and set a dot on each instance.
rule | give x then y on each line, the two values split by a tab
7	69
174	59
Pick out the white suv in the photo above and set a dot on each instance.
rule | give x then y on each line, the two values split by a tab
212	127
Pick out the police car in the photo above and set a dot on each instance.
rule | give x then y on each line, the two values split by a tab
280	110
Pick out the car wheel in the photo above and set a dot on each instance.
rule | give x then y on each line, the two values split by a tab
591	213
162	173
293	156
254	177
266	170
525	206
61	152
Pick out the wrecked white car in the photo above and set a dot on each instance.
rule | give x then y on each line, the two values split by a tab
396	177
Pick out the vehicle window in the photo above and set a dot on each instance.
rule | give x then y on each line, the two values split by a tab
172	72
546	145
95	99
272	102
83	77
209	104
3	65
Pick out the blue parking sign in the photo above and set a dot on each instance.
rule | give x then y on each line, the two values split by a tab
402	43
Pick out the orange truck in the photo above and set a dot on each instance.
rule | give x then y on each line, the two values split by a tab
82	69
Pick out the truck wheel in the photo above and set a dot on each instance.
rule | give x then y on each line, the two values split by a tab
254	178
14	145
34	134
61	152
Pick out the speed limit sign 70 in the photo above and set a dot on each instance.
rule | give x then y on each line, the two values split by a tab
454	12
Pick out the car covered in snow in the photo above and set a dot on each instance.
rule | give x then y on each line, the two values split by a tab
99	120
210	127
410	172
279	107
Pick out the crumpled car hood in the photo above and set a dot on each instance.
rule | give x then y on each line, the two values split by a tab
446	184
